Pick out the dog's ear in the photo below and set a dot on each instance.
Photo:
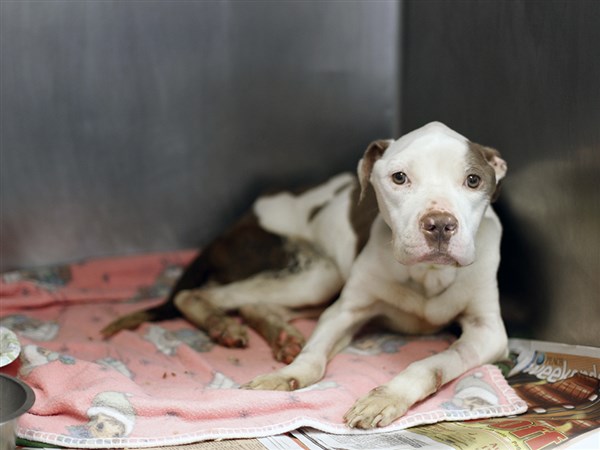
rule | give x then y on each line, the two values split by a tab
373	152
492	156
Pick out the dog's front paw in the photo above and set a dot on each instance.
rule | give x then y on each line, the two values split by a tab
273	382
379	408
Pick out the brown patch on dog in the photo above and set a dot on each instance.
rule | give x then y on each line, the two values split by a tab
479	161
363	212
364	207
245	250
438	376
374	151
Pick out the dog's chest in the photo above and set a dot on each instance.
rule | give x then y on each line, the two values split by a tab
420	296
425	279
413	290
430	280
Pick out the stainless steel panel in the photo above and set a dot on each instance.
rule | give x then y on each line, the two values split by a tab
524	76
136	126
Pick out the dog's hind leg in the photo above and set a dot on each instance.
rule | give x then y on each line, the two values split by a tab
272	323
220	327
264	300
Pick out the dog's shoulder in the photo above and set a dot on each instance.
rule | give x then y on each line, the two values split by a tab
487	242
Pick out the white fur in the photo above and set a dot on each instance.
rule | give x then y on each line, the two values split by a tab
397	276
289	215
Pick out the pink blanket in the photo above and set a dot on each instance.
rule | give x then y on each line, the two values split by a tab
167	384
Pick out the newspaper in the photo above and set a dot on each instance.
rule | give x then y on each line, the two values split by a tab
560	384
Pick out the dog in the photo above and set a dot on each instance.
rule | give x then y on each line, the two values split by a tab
411	241
431	259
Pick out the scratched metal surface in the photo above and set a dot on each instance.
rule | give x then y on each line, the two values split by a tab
140	126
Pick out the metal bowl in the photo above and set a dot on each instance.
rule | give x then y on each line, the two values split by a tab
15	400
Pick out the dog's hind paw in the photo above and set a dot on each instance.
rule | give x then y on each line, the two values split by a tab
379	408
227	332
272	382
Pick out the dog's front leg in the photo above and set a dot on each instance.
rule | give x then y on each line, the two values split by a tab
334	331
483	340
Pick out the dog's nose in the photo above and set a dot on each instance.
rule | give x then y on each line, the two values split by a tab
438	227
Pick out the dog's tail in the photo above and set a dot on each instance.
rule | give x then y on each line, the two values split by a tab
194	275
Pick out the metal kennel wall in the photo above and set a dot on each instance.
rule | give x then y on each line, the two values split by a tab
523	76
133	126
130	126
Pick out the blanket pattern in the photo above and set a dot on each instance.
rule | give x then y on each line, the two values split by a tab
166	383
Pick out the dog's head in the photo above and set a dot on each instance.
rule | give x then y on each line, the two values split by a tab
433	187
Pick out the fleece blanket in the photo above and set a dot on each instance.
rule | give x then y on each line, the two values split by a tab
166	383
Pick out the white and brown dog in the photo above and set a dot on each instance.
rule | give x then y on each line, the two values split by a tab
413	242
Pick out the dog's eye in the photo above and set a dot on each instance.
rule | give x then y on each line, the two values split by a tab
399	178
473	181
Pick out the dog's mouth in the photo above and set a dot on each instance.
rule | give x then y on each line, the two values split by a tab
409	250
436	257
440	258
